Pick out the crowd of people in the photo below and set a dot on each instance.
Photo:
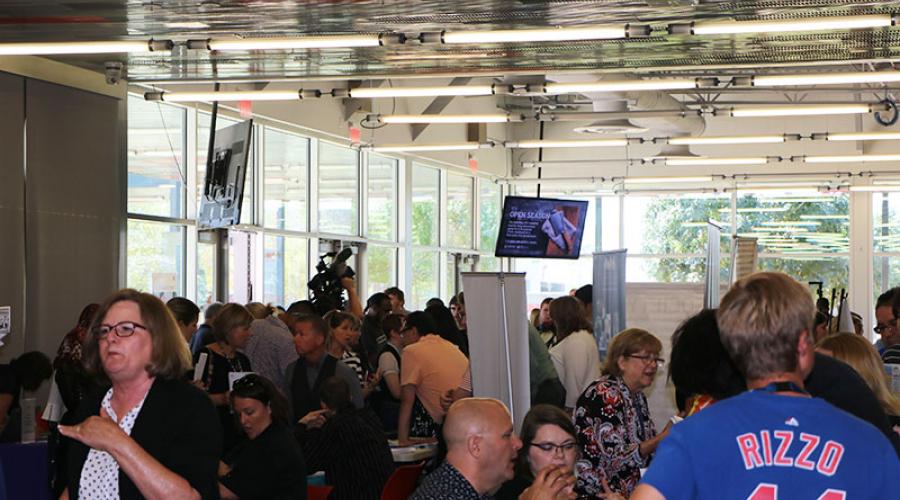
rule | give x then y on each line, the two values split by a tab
257	397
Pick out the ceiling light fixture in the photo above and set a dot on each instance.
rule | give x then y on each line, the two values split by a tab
190	25
875	189
627	85
602	32
799	110
412	148
534	144
859	136
702	161
485	118
782	26
445	91
237	95
818	79
302	42
740	139
62	48
655	180
850	158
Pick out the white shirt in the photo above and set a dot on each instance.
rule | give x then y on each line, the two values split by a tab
100	474
577	362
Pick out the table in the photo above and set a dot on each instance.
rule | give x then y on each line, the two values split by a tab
24	468
413	453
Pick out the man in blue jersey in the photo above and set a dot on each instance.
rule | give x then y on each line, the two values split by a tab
774	441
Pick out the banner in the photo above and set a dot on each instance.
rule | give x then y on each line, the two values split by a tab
713	265
609	296
743	257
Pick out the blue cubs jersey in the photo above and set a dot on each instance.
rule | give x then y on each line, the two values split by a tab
764	446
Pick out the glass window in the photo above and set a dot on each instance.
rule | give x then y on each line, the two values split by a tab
834	272
338	189
382	198
156	258
553	278
425	195
203	120
285	270
425	278
285	180
490	209
609	210
885	209
381	266
487	263
459	211
206	274
156	170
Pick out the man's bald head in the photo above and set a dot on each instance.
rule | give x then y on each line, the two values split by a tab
472	416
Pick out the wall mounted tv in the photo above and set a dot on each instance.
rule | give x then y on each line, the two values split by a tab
226	171
541	227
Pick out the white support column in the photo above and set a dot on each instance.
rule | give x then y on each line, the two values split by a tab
313	205
189	161
861	280
404	227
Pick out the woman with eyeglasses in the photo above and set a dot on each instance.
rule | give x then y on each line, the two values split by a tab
548	444
269	464
612	417
147	433
231	329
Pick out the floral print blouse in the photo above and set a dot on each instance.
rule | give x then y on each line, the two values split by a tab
610	423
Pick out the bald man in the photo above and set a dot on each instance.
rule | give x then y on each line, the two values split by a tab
481	452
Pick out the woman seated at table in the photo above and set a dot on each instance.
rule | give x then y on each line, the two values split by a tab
612	417
151	434
269	464
548	446
231	328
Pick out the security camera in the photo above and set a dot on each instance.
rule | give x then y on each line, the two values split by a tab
113	72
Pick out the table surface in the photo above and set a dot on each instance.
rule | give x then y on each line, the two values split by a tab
413	453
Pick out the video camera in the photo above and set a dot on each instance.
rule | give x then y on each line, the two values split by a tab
325	287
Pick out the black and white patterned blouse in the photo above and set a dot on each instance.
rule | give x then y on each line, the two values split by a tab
446	483
100	474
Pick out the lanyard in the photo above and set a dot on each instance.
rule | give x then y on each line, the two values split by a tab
783	386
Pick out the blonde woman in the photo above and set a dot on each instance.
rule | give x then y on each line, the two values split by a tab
857	352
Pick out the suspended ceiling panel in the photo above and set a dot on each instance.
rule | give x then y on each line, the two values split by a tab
48	20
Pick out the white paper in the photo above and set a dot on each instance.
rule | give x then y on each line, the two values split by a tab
5	322
56	407
893	371
27	406
234	376
200	367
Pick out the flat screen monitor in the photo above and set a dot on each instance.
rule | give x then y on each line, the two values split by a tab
541	228
226	171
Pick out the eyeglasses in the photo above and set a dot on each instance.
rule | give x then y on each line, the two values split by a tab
548	447
123	329
647	359
880	328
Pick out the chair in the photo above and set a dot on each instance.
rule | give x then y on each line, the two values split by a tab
402	482
318	492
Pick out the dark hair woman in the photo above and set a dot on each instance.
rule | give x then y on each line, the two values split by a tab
150	434
575	355
269	464
231	329
548	441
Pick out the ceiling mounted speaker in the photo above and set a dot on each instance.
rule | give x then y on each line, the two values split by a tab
610	127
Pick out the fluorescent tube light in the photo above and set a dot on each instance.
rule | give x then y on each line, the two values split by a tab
875	189
239	95
753	210
537	35
825	217
655	180
851	158
791	25
448	91
740	139
800	110
701	161
863	136
61	48
620	86
826	78
410	148
790	223
289	43
486	118
597	143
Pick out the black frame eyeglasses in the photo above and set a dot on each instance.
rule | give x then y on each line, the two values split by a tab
880	328
123	329
647	359
548	447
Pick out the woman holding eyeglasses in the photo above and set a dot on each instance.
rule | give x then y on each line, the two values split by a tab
147	433
548	446
231	329
269	464
612	417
